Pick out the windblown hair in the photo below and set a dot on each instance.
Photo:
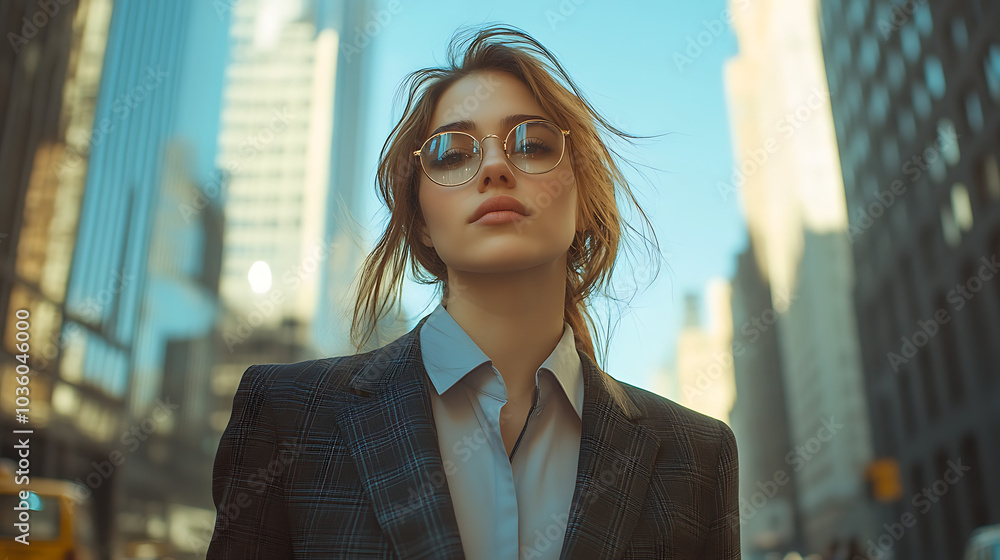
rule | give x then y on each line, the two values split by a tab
594	250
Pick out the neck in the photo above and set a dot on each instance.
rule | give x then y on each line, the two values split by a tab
516	318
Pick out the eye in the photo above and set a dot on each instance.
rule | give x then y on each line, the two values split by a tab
455	157
532	147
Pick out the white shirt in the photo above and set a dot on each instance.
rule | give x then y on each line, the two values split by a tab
506	509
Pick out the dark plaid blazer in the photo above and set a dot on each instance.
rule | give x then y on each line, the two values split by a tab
339	458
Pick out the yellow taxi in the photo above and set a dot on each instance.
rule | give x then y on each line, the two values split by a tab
59	526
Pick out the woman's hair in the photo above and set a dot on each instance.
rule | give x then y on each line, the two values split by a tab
594	249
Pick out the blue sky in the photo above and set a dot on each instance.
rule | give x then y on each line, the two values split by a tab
624	60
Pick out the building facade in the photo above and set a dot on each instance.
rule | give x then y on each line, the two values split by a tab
917	111
704	361
290	141
53	65
769	520
788	180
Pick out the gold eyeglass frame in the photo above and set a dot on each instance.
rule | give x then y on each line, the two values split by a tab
562	154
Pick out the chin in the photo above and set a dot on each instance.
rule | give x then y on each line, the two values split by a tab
502	261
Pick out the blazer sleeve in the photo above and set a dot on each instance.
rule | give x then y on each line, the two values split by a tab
724	533
251	513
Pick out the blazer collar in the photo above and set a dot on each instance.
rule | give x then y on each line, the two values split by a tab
392	437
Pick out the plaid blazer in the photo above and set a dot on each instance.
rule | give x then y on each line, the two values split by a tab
339	458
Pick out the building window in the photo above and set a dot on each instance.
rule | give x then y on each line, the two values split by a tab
868	58
921	100
899	221
883	19
991	67
907	124
878	104
842	52
910	42
931	392
948	141
928	242
923	19
934	75
978	332
897	69
856	15
949	229
961	206
973	111
988	178
906	401
935	162
959	34
890	154
859	146
949	354
854	95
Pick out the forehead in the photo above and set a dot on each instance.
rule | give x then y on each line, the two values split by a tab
485	98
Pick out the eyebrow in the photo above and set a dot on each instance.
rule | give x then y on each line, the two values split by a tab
506	123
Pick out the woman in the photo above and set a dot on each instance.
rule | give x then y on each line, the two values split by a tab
488	430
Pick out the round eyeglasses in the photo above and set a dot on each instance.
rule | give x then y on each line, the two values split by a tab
451	158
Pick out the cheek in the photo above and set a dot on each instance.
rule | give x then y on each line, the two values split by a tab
560	195
435	205
568	204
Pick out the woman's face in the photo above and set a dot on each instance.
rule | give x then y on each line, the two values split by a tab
486	100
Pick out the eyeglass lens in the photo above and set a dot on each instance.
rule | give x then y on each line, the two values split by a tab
453	158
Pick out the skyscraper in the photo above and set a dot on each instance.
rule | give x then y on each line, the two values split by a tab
52	64
704	359
917	111
95	101
788	179
287	99
769	520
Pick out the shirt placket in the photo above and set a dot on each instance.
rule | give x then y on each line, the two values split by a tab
508	534
525	427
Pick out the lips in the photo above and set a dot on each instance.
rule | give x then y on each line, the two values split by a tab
496	204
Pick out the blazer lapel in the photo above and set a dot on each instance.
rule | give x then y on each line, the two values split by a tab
615	464
391	433
393	439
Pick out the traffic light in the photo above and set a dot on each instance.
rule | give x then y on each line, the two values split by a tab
884	484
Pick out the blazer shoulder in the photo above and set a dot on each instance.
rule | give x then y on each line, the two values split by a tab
665	414
305	384
283	382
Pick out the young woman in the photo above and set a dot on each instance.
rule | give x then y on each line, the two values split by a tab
488	430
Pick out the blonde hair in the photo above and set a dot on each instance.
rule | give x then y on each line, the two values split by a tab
594	249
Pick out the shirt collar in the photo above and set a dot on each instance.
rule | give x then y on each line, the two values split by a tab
449	354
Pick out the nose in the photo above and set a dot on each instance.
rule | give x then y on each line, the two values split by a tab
496	166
